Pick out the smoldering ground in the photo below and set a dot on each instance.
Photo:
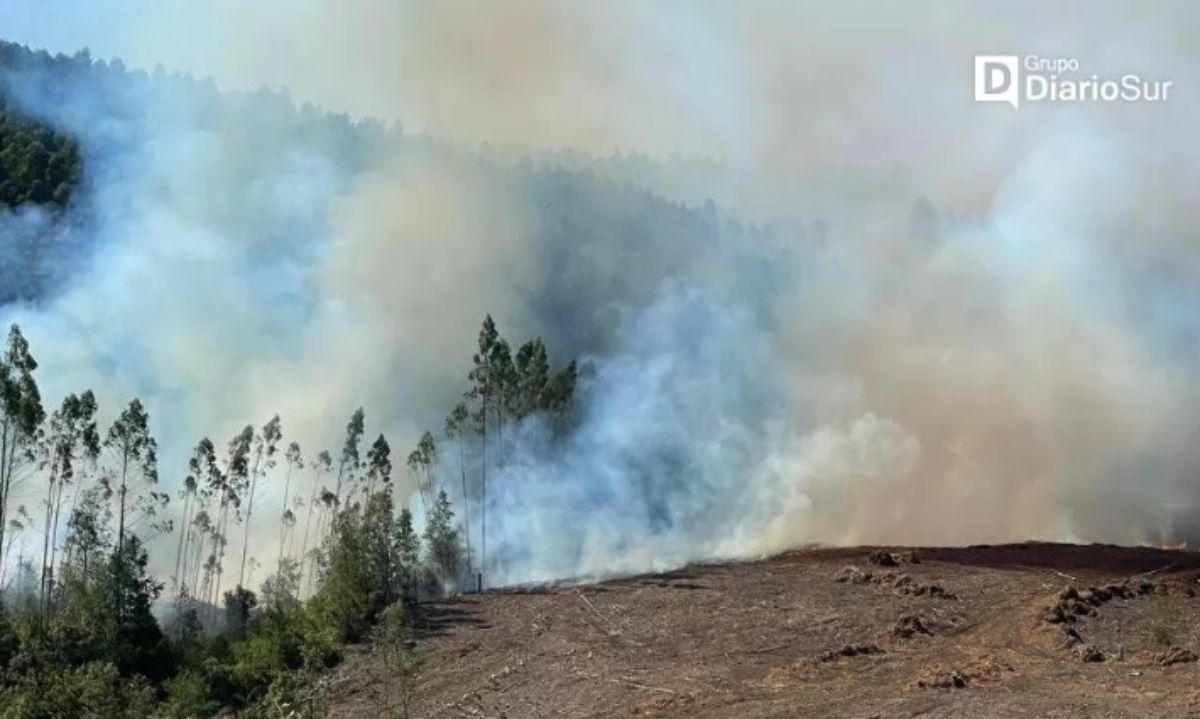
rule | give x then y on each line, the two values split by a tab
1013	358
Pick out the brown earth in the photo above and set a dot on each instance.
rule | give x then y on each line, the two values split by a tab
784	637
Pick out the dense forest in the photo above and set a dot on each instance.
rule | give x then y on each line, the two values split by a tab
37	164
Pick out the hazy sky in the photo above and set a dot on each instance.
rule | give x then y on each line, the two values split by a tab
775	84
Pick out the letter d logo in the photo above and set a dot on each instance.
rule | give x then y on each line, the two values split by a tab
996	79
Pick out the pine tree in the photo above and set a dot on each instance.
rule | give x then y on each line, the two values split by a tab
406	556
441	539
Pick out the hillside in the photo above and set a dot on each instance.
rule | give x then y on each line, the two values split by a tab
775	638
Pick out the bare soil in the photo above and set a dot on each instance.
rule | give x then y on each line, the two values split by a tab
802	635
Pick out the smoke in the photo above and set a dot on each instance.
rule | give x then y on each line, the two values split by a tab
1012	359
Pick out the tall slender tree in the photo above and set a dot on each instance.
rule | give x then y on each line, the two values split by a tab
230	486
203	475
72	440
481	392
421	462
265	445
287	518
321	471
379	465
21	417
349	463
456	428
136	456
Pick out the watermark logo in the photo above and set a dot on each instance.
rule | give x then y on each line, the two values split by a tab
997	79
1014	80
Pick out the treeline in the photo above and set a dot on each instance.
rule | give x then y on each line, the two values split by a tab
78	636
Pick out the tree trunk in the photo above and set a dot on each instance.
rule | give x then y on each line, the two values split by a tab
121	514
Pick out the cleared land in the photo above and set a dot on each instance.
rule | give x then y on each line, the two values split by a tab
1029	630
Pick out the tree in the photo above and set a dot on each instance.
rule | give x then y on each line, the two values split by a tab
21	417
349	593
239	603
321	469
406	556
136	455
88	537
421	462
266	443
441	539
287	519
228	487
72	439
379	464
482	392
203	477
456	428
531	374
349	462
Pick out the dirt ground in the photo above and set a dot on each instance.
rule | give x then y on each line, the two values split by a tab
1030	630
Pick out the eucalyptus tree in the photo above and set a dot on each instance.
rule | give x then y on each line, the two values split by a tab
16	527
406	553
136	456
379	465
456	428
71	440
441	538
228	488
322	468
421	462
287	518
482	393
21	417
349	463
265	445
203	474
326	520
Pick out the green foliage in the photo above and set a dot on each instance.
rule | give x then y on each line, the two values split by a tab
350	591
96	690
406	557
81	639
441	539
37	164
239	603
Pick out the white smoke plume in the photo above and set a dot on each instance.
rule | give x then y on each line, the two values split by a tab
1013	359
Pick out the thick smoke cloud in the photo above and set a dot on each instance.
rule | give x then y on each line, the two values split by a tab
1013	359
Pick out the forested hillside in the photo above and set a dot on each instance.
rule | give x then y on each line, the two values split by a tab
37	164
101	523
